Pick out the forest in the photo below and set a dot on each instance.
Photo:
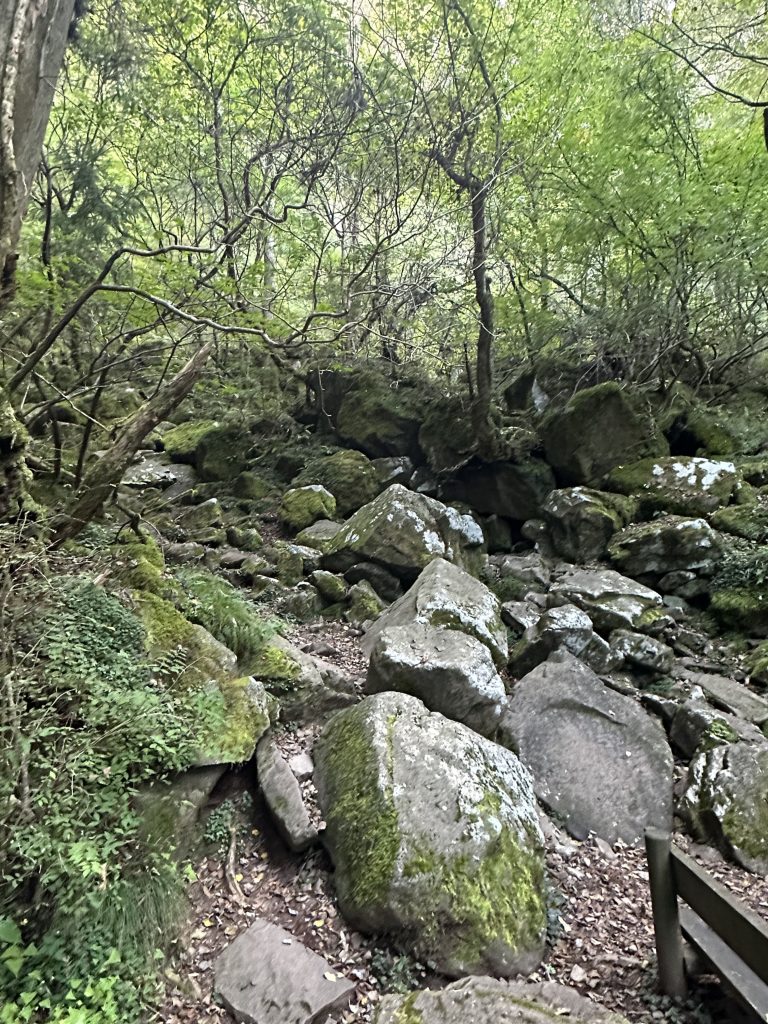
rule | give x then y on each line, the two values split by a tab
383	503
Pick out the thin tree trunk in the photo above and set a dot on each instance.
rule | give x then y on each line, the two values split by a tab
107	472
484	299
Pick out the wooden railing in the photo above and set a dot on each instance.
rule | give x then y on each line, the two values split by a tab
726	933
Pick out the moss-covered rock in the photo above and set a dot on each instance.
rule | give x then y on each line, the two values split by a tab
479	1000
239	713
222	453
515	490
748	521
319	535
303	506
581	521
679	485
744	609
348	475
379	416
462	890
245	538
252	486
404	531
181	442
597	429
306	687
666	544
332	587
726	801
365	605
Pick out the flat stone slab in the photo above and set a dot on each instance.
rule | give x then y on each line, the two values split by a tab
731	696
266	976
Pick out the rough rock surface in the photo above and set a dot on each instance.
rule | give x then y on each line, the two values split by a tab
445	595
726	801
303	506
283	796
266	976
683	485
611	600
492	1001
599	762
449	671
582	521
645	652
514	490
404	531
306	687
563	628
319	535
697	724
434	834
668	544
348	475
599	428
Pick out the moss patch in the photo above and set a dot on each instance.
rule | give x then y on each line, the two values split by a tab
181	442
361	812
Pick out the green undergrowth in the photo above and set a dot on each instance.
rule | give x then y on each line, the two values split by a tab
223	610
86	720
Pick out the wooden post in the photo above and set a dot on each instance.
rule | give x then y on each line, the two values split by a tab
666	919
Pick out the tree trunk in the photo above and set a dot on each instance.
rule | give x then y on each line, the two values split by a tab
34	37
484	364
105	474
13	468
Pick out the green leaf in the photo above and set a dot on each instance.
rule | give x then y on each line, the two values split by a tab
9	931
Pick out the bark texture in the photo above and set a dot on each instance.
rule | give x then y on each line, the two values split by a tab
33	37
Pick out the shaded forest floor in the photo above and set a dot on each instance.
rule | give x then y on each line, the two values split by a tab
601	930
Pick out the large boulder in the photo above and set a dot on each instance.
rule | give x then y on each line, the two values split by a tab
404	531
282	795
380	416
582	521
667	544
685	486
611	600
599	762
445	595
726	801
348	475
493	1001
598	428
449	671
434	835
513	490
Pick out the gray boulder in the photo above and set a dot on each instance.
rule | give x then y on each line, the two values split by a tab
434	835
266	976
563	628
642	651
283	796
303	506
519	615
529	568
664	545
581	521
319	535
445	595
726	801
686	486
386	585
404	531
449	671
493	1001
611	600
697	724
599	762
597	429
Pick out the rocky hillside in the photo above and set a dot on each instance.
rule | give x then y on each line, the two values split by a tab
566	637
